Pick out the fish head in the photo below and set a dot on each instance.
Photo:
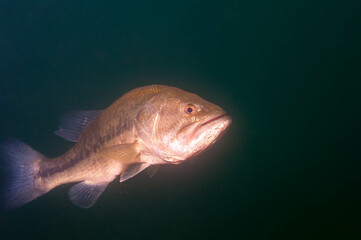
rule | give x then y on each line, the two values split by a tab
177	125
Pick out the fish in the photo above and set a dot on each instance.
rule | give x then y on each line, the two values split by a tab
148	126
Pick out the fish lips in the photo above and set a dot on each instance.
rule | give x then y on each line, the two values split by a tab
223	117
214	125
217	123
199	136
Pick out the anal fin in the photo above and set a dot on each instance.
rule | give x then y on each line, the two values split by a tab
85	194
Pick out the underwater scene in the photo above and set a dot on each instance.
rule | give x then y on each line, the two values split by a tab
232	119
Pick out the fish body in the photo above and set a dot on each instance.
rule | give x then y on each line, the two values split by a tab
147	126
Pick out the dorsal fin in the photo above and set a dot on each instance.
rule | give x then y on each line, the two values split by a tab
72	124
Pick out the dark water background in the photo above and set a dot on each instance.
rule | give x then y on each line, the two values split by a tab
288	72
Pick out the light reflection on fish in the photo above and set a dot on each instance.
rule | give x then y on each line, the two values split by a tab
151	125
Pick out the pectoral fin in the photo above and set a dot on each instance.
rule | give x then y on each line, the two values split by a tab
121	152
85	194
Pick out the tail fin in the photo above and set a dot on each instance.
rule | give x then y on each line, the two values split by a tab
19	168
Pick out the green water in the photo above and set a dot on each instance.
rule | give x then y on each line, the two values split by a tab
287	72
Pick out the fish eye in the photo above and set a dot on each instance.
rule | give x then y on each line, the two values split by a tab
190	109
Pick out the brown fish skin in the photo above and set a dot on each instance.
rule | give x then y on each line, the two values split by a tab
147	126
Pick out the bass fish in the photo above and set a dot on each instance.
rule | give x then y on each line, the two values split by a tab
147	126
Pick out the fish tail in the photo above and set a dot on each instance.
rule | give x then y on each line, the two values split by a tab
19	167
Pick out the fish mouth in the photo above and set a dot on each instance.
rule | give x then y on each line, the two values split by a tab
214	119
213	125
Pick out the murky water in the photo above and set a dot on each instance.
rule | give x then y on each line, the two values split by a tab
286	72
